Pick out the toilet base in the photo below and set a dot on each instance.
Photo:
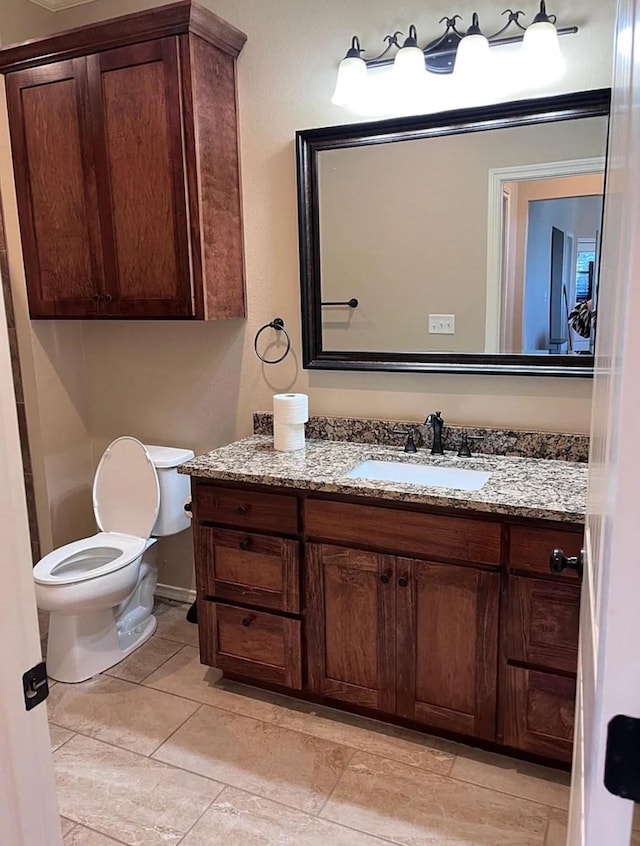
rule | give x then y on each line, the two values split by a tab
82	646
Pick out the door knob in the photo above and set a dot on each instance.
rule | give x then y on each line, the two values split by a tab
385	577
560	562
245	543
403	581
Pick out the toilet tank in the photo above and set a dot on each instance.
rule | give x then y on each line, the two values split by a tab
175	489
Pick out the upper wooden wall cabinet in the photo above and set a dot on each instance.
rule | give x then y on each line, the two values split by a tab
125	147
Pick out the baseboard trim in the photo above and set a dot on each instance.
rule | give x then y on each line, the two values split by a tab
176	593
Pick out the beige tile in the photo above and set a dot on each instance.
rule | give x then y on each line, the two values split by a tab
134	799
417	808
287	766
557	831
240	819
539	784
127	715
145	660
66	825
81	836
185	676
173	625
407	747
58	736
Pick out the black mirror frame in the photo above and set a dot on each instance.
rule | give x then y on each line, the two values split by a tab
310	142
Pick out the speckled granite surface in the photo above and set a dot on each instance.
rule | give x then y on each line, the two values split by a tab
524	487
527	444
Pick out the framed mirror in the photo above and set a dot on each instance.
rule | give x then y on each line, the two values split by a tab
464	241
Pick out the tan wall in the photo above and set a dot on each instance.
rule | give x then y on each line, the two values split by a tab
197	385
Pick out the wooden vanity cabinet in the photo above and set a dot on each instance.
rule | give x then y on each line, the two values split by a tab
126	167
449	622
540	627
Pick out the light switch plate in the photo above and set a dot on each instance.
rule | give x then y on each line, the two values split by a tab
442	324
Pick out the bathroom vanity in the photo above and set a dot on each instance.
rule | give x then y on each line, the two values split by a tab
431	606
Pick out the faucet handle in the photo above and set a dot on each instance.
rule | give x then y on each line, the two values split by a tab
410	443
464	450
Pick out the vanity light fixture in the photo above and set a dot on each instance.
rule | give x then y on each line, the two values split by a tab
466	52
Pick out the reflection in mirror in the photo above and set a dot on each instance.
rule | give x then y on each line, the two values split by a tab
463	241
477	242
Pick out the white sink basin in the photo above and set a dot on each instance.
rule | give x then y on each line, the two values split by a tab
420	474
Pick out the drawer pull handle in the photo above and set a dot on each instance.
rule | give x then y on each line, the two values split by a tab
243	509
385	578
246	621
560	562
403	581
245	543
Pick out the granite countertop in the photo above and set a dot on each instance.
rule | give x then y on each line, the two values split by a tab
521	487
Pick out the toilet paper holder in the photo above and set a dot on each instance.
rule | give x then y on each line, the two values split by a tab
278	324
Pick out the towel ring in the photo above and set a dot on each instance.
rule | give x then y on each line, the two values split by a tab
278	324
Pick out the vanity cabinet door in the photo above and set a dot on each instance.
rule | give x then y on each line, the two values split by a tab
350	625
447	646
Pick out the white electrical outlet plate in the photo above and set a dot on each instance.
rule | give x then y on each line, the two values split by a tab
442	324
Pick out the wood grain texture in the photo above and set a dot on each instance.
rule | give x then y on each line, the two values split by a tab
48	110
538	713
213	171
261	646
401	531
172	19
246	509
447	646
530	549
135	98
542	621
350	625
248	569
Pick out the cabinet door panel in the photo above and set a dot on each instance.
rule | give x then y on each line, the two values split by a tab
538	715
542	621
447	646
136	96
351	625
50	135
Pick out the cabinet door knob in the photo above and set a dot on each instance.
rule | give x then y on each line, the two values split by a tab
245	543
403	581
560	562
107	298
246	621
385	577
96	298
243	509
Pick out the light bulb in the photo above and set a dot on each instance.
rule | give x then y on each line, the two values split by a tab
472	57
408	66
352	81
541	56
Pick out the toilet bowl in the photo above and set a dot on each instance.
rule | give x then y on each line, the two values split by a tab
100	590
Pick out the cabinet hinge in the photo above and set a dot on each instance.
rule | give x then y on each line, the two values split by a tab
35	685
622	761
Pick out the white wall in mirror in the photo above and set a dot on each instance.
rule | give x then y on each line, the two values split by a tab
406	228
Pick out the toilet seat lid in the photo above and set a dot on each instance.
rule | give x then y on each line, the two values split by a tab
126	492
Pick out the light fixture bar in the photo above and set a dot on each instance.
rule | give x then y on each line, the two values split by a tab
440	53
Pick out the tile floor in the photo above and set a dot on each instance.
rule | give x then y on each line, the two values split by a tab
160	751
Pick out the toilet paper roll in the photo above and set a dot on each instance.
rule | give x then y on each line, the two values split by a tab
288	437
290	408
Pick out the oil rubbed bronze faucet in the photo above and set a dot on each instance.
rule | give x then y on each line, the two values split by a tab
436	422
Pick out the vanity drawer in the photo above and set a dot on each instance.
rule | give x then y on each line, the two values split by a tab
539	713
247	568
253	644
247	509
530	549
403	532
543	618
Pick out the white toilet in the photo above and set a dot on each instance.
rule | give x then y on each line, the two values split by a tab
100	590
